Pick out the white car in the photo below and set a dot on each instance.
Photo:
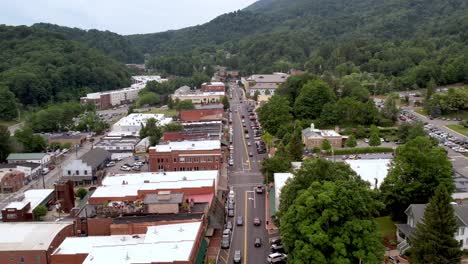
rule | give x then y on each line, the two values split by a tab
110	164
125	168
231	194
231	162
275	256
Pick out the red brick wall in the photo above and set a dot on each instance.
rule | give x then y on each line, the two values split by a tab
105	101
212	88
21	215
13	179
99	226
196	115
169	161
68	259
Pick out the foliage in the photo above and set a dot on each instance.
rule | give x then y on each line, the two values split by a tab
390	110
361	150
280	162
295	146
90	121
153	130
173	126
225	102
326	145
274	113
312	97
446	103
351	142
185	105
148	98
408	131
40	67
5	144
39	211
374	139
268	139
331	222
54	118
30	141
81	193
255	96
418	168
8	105
433	240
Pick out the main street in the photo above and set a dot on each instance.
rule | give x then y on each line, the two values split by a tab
244	176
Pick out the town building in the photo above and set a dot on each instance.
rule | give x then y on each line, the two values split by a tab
108	99
163	202
186	156
117	144
265	84
74	139
181	136
65	195
197	185
142	146
31	170
87	169
200	115
11	180
22	209
280	182
199	97
32	242
415	215
129	126
213	129
39	158
213	87
312	137
181	243
373	171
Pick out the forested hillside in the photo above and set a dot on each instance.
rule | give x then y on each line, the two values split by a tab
407	43
41	67
108	42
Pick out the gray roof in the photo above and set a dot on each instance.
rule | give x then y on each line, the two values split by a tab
153	199
26	156
264	86
96	157
24	164
417	211
269	78
182	90
406	229
308	132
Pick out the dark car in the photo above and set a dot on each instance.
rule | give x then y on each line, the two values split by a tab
258	242
275	240
239	221
257	221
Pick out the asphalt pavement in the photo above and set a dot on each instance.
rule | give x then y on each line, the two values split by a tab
244	176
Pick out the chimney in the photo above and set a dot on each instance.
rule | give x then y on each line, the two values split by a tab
312	126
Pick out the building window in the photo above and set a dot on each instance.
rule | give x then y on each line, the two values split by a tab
77	172
69	172
85	172
37	259
21	260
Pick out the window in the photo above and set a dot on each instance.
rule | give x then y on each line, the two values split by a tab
85	172
37	259
77	172
21	260
69	172
462	231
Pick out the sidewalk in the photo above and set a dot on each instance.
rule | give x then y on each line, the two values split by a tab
270	227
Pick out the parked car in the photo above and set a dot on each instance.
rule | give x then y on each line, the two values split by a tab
110	164
125	168
226	239
239	221
275	240
45	171
231	213
237	256
275	248
229	225
272	258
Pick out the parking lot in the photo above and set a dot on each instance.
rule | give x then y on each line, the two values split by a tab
130	161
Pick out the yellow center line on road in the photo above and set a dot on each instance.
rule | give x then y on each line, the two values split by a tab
245	144
245	230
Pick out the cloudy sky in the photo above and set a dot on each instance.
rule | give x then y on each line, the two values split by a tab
120	16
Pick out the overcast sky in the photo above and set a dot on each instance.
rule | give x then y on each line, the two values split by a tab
120	16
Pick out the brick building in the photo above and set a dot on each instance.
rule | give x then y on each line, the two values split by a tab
65	195
213	87
181	135
199	115
73	139
11	180
22	209
312	137
32	242
186	156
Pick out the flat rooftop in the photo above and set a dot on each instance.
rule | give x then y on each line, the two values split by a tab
162	243
371	169
35	197
19	236
188	145
112	185
137	119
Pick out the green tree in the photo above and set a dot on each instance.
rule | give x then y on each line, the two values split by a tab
351	142
274	113
153	130
268	139
390	110
374	139
39	212
81	193
225	102
173	126
326	145
418	168
148	98
313	96
295	146
30	142
433	240
8	105
256	94
5	143
185	105
332	222
280	162
408	131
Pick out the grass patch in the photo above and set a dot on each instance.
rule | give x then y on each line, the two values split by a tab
462	113
459	128
348	151
386	226
420	111
166	112
8	123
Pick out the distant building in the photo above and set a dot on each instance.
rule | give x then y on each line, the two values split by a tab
22	209
199	97
87	169
32	242
73	139
280	182
265	84
31	170
213	87
186	156
164	202
11	180
181	243
129	126
65	195
117	144
312	137
39	158
200	115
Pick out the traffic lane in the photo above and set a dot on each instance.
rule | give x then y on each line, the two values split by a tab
238	236
257	209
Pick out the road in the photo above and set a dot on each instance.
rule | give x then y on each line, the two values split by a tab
244	175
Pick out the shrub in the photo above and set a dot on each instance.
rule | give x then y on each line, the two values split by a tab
350	151
81	193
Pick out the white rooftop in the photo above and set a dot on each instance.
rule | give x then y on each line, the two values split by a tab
371	169
35	197
280	181
112	185
19	236
214	84
162	243
188	145
136	119
201	94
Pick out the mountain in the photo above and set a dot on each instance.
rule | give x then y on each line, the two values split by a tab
39	66
412	41
112	44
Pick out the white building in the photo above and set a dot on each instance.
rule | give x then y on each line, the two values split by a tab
280	182
372	170
264	83
200	145
31	198
86	168
117	144
131	124
39	158
172	243
198	97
